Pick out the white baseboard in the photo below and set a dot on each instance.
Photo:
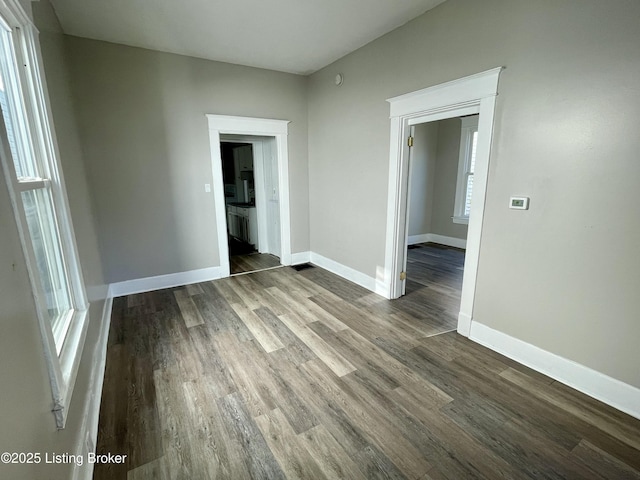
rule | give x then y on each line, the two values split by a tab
464	324
300	257
343	271
435	238
88	437
149	284
615	393
383	282
422	238
449	241
285	259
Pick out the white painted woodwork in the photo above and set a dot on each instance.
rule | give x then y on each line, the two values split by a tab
272	197
223	128
435	238
63	360
149	284
611	391
472	94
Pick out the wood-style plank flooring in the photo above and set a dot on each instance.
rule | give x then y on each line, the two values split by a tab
285	374
431	264
434	282
251	262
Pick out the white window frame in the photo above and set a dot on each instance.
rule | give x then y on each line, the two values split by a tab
62	360
468	127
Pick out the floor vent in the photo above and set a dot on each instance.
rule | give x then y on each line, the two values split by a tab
411	247
302	266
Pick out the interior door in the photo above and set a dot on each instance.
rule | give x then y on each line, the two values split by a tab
403	283
272	194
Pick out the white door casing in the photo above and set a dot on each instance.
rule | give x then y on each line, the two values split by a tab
272	197
465	96
223	125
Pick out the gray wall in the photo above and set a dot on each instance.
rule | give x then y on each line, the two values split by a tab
433	177
146	143
564	134
27	424
444	195
422	176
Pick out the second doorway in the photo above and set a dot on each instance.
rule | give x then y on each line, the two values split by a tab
252	203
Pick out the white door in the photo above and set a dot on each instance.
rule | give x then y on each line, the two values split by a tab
272	194
403	284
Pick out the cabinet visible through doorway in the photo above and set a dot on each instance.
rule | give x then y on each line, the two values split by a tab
243	223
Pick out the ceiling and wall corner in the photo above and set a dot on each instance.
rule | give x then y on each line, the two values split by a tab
284	35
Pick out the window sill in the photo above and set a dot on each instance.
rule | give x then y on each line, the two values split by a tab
461	220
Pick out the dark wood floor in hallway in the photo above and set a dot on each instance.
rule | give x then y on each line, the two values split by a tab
285	374
251	262
434	282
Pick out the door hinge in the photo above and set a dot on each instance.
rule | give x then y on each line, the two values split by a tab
410	141
403	275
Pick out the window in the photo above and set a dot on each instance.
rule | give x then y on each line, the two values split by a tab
466	166
36	187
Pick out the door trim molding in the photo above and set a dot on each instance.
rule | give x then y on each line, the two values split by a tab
472	94
265	127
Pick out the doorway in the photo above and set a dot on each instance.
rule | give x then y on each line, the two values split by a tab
251	199
440	183
251	191
441	175
470	95
455	135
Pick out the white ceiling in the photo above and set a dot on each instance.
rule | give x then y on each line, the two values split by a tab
297	36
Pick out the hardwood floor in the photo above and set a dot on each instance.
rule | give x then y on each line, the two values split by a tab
434	282
251	262
285	374
431	263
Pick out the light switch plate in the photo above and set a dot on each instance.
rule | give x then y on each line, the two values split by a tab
207	187
519	203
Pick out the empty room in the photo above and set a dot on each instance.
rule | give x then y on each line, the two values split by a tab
358	239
